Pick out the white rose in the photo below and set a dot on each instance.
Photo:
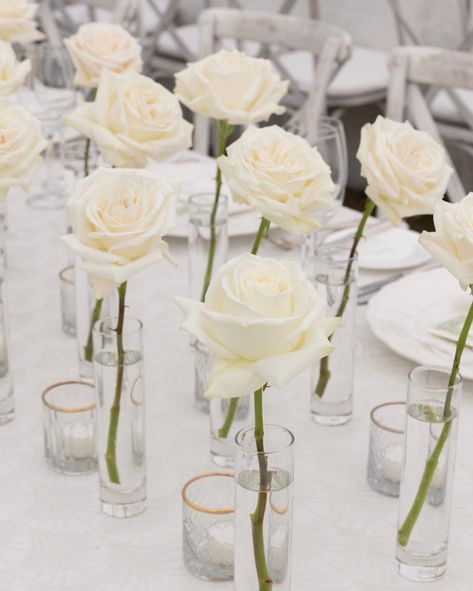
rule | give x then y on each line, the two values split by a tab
101	46
12	72
406	169
132	118
232	86
280	175
17	21
119	217
452	242
264	322
21	144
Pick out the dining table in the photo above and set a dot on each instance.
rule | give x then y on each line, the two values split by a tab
53	536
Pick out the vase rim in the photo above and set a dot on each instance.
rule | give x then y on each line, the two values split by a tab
437	368
63	272
267	451
223	199
58	408
197	506
379	423
326	252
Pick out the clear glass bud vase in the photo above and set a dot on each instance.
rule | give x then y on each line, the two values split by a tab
7	402
334	273
88	312
208	249
120	416
272	502
227	417
425	497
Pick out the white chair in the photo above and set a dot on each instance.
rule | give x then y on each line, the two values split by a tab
60	18
415	68
328	48
170	43
423	23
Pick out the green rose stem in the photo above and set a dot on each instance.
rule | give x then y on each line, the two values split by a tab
431	463
257	517
89	348
111	453
225	428
224	131
324	371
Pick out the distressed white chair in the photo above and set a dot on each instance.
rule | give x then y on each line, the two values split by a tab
415	68
420	24
60	18
328	48
170	43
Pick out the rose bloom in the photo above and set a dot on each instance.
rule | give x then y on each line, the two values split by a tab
406	170
280	175
452	242
264	323
21	144
133	118
119	218
231	86
12	72
17	21
99	46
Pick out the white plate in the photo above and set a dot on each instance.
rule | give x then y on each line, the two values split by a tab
402	314
397	248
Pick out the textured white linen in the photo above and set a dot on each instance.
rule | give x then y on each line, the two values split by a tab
52	534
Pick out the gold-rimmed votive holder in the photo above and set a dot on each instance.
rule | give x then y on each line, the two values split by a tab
69	426
68	300
386	447
208	525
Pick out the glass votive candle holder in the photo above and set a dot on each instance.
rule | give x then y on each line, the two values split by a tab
386	447
68	300
208	526
69	424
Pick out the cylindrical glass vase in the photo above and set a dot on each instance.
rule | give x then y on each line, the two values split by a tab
227	417
207	251
88	312
263	509
7	402
427	475
334	273
120	416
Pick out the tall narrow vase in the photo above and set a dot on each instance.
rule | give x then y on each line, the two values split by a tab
7	403
274	534
227	417
427	475
208	248
334	273
87	314
120	417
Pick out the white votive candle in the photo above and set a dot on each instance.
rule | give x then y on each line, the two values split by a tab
219	543
391	462
78	440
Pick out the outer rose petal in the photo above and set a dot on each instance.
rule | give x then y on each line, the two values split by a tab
462	270
230	378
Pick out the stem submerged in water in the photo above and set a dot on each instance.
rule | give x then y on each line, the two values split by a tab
431	463
224	132
111	453
324	370
257	517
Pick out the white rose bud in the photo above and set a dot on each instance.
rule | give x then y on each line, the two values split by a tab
452	242
12	72
132	119
101	46
21	144
280	175
17	21
264	323
231	86
119	218
406	170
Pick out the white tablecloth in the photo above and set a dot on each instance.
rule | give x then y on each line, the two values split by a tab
53	536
